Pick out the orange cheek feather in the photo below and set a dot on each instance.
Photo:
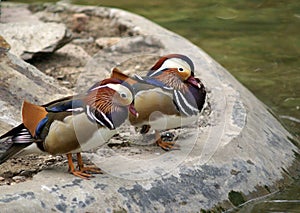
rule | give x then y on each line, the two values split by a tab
185	75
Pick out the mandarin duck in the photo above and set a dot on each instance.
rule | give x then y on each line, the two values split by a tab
71	125
169	96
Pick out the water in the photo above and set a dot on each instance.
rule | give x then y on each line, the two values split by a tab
257	41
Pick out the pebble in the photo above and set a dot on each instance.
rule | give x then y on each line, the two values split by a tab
83	40
65	83
59	158
60	77
2	183
107	41
2	178
19	178
28	173
80	21
125	134
135	151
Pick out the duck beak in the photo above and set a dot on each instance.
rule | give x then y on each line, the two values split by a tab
194	81
133	111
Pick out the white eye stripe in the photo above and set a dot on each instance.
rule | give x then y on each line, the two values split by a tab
173	63
99	87
154	73
118	88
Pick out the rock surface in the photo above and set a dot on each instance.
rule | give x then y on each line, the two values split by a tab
236	151
30	37
20	80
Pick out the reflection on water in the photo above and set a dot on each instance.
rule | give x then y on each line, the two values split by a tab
257	41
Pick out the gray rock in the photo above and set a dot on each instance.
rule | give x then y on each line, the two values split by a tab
30	37
19	80
236	151
107	41
18	178
9	11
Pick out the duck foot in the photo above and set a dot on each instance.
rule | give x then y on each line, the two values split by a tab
75	172
165	145
90	169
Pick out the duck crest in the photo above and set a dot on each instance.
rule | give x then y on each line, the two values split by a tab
160	62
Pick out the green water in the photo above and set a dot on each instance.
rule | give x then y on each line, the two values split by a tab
258	41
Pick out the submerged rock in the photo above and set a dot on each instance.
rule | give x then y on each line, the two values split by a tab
236	151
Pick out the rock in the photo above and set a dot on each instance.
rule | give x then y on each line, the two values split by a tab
31	38
83	41
134	52
65	65
236	152
4	46
46	16
18	179
77	54
8	14
79	22
107	41
19	80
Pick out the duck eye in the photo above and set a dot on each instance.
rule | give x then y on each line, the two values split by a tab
123	95
180	69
